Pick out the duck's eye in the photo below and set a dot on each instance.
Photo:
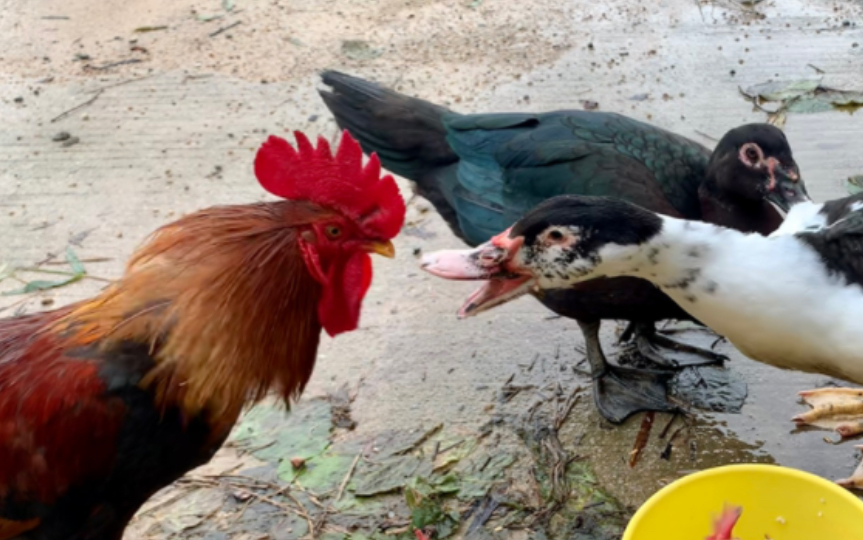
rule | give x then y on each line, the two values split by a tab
555	235
333	231
752	155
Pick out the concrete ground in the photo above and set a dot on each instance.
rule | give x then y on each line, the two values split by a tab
175	129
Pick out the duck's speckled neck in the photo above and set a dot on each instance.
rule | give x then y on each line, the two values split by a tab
676	259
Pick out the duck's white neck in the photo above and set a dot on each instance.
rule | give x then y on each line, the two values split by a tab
677	258
772	297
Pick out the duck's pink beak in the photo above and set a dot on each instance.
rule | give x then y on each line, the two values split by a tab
494	262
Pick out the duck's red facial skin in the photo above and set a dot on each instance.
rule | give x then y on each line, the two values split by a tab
783	186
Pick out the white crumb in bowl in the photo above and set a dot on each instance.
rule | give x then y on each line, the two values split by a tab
780	520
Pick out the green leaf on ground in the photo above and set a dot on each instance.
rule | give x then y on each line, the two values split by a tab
74	262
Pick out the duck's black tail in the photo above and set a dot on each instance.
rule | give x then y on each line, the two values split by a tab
407	133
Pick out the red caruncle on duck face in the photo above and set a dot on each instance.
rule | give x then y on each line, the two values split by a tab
780	178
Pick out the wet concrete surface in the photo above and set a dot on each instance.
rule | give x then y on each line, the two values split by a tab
169	143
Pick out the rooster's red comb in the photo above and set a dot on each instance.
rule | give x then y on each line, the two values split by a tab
335	181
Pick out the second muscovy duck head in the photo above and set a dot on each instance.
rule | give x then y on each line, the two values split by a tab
751	164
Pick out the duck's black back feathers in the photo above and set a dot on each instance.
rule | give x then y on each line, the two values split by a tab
840	242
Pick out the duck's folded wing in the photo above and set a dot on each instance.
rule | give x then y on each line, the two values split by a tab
510	162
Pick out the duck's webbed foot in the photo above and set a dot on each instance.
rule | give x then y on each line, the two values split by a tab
837	409
670	353
840	410
621	392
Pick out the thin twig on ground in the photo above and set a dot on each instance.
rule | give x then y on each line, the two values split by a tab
78	107
664	431
103	67
561	414
347	477
303	512
225	28
96	96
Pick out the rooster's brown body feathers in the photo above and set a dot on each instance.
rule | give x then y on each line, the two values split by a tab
106	401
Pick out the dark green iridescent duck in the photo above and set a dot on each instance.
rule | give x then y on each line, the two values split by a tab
482	172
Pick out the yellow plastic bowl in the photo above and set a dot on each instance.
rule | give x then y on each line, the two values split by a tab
781	503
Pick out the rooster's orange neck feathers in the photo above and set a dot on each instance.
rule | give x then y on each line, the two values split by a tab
224	299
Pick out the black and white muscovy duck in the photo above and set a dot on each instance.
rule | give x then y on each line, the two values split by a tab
482	172
793	299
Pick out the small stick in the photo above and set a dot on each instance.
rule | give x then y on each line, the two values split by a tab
664	431
303	512
419	442
127	81
224	29
574	396
78	107
256	448
61	273
706	136
89	260
243	509
115	64
96	96
641	438
348	477
450	447
16	304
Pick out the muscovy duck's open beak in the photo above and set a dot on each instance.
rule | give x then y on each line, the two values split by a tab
785	188
494	262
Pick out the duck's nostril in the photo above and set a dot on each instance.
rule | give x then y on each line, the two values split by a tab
491	256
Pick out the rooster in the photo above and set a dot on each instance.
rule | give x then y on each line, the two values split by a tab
104	402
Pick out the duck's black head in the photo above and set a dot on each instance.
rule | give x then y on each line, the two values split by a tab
585	224
752	163
560	242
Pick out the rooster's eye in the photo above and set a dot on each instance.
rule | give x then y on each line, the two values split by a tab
333	231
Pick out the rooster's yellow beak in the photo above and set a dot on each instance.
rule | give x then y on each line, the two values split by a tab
381	248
